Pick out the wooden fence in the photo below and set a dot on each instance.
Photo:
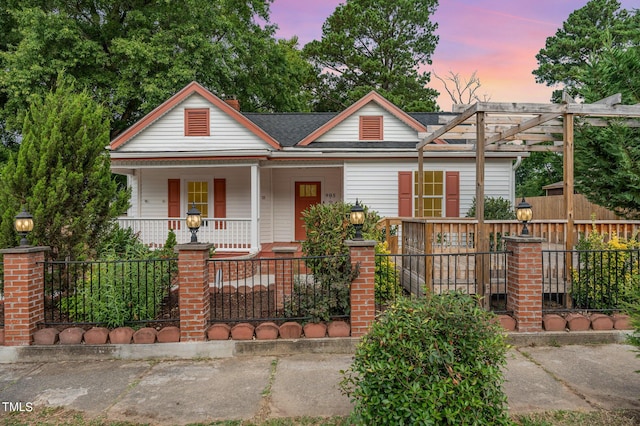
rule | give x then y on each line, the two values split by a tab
552	207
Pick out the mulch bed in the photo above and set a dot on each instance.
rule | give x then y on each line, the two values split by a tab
244	306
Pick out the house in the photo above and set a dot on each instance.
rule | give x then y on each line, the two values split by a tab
252	174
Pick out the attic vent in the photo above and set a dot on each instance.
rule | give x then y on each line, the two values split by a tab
196	122
371	128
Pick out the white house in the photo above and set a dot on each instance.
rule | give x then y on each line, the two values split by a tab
252	174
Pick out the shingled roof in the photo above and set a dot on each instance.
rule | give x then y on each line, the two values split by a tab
290	128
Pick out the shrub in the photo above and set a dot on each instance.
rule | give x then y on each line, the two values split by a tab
608	272
387	281
494	209
127	284
435	360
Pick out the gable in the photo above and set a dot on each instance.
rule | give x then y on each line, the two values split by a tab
370	104
361	126
193	120
171	132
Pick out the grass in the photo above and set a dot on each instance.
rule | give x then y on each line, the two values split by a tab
61	416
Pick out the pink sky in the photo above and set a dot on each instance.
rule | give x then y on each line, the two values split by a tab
498	38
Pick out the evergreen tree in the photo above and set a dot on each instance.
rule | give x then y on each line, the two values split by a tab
376	45
61	175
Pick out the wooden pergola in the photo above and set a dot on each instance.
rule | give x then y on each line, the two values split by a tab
520	127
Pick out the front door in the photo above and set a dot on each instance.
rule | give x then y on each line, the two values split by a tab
306	195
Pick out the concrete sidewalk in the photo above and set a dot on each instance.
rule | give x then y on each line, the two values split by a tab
180	391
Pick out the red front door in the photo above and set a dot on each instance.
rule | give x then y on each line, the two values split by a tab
306	195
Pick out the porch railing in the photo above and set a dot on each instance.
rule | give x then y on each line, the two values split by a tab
224	234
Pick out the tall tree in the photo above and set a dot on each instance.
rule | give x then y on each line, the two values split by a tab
586	32
62	175
462	90
133	54
376	45
607	160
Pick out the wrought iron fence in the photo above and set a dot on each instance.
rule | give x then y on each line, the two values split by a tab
280	289
469	272
110	293
589	280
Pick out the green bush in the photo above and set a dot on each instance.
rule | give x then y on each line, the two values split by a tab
127	284
607	274
494	209
387	280
435	360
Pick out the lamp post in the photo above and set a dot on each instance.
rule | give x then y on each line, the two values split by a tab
357	219
24	225
524	215
194	220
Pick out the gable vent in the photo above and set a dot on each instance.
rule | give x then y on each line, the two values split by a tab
196	122
371	128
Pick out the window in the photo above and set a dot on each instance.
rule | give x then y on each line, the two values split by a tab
198	193
433	191
371	128
196	122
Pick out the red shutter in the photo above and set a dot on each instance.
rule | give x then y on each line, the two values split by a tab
219	200
452	188
173	202
196	122
371	128
405	194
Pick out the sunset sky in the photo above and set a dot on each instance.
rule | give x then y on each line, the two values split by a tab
498	38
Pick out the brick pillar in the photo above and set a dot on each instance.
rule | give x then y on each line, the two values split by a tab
524	282
193	279
23	293
283	273
363	305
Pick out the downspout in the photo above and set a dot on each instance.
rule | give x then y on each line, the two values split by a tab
517	164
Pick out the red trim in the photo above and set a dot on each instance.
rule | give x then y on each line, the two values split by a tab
187	91
370	97
452	194
196	122
405	194
371	128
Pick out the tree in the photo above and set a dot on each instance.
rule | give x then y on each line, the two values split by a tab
376	45
461	90
607	164
61	175
583	36
133	54
536	171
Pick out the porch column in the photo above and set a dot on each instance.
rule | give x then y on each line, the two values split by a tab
255	208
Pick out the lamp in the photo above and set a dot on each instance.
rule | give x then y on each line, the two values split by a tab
194	220
524	215
357	219
24	225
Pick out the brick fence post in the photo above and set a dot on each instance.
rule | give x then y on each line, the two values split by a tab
23	293
283	271
524	281
363	306
193	280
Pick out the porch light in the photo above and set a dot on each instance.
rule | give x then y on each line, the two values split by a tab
194	220
24	225
357	219
524	215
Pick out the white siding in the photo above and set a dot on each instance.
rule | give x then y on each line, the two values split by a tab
283	185
167	133
348	130
153	193
375	183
